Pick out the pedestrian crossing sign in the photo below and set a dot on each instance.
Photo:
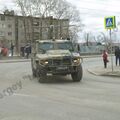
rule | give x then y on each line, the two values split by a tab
110	22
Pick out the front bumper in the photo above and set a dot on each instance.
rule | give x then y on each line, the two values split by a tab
60	69
61	66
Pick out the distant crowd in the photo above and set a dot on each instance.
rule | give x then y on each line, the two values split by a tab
6	51
25	51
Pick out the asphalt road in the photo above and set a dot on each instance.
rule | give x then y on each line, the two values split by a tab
24	98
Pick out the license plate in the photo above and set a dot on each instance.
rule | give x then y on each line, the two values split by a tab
62	68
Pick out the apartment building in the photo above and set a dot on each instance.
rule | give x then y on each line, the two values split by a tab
20	30
7	29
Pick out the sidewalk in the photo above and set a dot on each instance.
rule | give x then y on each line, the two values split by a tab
101	71
13	59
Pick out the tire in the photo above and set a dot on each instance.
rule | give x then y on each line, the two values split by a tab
42	79
41	74
77	76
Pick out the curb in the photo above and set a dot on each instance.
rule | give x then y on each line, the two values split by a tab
91	56
105	74
14	61
94	73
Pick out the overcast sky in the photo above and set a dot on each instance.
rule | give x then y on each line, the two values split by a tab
92	11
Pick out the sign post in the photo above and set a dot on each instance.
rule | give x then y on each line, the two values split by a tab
111	51
110	23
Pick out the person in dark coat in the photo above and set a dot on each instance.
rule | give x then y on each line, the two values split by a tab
27	50
12	49
0	51
117	55
22	51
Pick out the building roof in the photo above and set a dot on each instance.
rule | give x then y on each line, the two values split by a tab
57	40
50	17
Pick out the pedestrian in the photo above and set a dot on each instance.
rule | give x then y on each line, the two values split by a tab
105	58
12	49
117	55
4	51
22	49
0	51
27	50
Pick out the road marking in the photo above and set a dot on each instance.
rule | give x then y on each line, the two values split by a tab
23	95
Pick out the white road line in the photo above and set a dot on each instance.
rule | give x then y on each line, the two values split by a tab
23	95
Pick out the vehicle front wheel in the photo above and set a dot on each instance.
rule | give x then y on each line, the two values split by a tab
34	73
77	76
41	74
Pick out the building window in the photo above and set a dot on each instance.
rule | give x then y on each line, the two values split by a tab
36	29
22	33
22	26
9	33
9	26
2	33
36	35
2	25
36	23
2	18
9	18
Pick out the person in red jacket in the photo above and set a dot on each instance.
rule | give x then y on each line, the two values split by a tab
4	51
105	58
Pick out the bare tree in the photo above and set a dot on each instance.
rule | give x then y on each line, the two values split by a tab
86	38
60	9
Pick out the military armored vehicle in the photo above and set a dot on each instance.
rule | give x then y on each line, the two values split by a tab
56	57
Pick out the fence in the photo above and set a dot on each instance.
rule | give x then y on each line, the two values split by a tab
91	49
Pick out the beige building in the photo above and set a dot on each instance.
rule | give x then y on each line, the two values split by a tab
20	30
7	29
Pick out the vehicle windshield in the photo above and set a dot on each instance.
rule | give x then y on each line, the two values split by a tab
65	46
43	47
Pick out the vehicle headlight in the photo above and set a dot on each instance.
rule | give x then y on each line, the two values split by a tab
44	62
76	60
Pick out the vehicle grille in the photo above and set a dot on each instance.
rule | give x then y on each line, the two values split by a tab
57	62
67	61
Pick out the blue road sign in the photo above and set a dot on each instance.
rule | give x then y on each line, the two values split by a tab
110	22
